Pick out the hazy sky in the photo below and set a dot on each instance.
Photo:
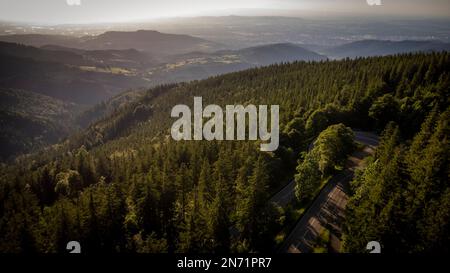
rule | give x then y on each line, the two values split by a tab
88	11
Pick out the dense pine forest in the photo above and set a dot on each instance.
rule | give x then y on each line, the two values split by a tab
123	185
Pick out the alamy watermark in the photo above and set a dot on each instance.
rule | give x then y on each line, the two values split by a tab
73	2
374	2
238	118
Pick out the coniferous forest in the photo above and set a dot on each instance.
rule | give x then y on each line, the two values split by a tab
123	185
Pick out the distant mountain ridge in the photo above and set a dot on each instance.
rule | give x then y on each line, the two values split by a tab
276	53
159	45
149	41
38	40
368	48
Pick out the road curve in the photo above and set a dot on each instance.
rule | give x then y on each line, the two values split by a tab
327	210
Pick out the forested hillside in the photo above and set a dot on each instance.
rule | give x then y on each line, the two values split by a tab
124	185
30	121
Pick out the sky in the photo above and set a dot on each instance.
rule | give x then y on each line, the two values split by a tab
96	11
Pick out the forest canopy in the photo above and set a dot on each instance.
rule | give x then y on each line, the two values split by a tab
123	185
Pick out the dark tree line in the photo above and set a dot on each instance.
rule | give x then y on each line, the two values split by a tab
402	198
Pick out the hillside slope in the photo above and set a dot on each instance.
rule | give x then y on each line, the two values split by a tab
79	84
30	121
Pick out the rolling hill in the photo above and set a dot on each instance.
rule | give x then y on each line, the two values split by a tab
200	65
277	53
128	58
154	42
81	77
83	85
43	55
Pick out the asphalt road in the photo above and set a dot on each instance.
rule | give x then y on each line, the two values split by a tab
327	210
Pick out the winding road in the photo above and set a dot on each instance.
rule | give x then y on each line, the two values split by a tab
327	210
